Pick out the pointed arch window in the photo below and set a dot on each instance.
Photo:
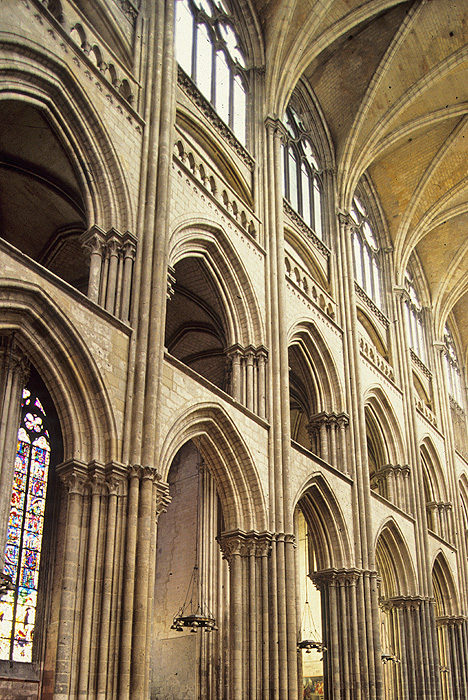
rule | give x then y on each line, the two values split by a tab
302	179
415	320
208	50
452	366
19	606
366	252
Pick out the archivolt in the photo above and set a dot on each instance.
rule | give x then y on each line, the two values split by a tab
318	361
394	562
203	240
68	370
379	410
433	469
228	459
445	590
47	84
326	524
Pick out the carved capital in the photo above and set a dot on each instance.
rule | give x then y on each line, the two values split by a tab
162	497
93	240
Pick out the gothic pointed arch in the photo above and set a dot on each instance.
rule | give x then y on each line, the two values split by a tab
394	562
47	85
445	590
67	368
437	503
314	386
383	430
328	531
204	240
228	459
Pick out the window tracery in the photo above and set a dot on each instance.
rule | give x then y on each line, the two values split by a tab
302	182
366	252
208	50
414	320
25	530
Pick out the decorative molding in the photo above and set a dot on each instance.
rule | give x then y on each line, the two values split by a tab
306	230
194	94
420	364
371	305
129	10
371	353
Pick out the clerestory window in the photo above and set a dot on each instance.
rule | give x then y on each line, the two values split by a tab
414	320
208	50
452	366
302	181
366	252
19	606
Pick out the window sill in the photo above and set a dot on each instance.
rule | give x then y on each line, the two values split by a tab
18	670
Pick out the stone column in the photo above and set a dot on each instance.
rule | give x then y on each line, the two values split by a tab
74	476
129	582
128	252
262	359
93	241
113	247
14	373
235	356
110	573
249	379
97	486
250	632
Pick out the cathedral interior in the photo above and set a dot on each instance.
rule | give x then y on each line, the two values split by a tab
233	349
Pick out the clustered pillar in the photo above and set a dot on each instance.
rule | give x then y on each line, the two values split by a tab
252	622
247	370
111	259
112	513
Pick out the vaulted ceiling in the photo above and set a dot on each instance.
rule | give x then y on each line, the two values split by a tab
391	79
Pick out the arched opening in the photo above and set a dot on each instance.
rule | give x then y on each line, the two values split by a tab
43	211
388	476
303	397
325	588
317	422
31	536
451	629
190	575
310	606
396	603
195	321
438	508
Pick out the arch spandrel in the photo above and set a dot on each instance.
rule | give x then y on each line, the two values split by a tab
67	368
228	459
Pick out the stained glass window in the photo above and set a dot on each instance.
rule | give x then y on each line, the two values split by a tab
452	367
414	320
366	252
25	529
302	180
208	50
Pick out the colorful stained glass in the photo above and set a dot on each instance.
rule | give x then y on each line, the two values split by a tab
24	537
38	405
13	535
33	422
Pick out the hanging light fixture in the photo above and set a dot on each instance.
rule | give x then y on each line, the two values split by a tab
194	613
311	638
